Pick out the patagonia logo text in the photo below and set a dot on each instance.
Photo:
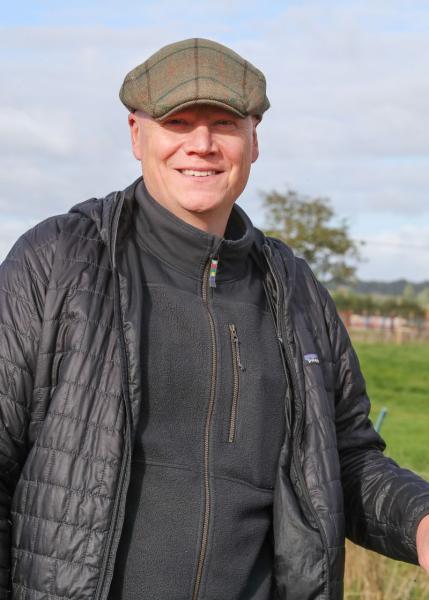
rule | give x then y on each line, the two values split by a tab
311	359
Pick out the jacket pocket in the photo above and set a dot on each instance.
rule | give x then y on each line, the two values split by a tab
236	368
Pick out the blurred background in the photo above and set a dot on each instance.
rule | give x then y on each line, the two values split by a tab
344	152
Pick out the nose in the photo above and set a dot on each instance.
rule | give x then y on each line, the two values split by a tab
199	141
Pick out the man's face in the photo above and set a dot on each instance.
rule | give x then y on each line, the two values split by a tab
197	161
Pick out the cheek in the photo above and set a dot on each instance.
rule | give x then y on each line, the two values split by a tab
242	162
244	149
164	147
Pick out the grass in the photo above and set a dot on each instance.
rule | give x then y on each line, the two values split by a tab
398	378
370	576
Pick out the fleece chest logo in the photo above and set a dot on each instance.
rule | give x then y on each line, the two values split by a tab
311	359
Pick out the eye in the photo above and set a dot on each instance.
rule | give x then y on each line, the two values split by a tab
225	123
175	123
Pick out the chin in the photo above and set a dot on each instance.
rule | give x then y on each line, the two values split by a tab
201	205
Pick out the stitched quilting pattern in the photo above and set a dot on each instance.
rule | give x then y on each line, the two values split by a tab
70	457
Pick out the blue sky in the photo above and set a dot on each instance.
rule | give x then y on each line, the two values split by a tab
124	14
348	83
395	15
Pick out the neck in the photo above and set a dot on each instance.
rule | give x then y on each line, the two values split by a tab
208	223
213	222
187	247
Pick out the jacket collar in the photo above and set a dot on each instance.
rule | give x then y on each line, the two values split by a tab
113	217
186	248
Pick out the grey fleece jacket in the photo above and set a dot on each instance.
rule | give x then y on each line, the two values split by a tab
213	399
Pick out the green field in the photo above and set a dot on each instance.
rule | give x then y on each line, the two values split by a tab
398	378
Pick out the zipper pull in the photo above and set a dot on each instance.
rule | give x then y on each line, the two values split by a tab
237	347
212	273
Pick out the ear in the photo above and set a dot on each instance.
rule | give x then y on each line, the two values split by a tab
255	145
135	125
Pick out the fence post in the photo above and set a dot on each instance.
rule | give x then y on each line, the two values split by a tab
380	419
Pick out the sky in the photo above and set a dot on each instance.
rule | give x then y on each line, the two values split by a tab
348	83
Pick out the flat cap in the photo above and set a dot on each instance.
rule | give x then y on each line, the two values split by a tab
195	71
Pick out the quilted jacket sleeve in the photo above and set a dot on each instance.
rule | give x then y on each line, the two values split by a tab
23	282
383	502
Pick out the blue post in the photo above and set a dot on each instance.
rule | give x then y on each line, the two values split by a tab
380	419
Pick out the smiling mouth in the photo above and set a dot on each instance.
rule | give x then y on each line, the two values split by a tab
193	173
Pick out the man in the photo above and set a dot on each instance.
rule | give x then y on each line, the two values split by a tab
182	413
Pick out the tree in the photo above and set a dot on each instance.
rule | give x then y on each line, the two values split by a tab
369	304
306	224
409	292
423	297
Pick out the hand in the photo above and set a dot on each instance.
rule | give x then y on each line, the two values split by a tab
422	543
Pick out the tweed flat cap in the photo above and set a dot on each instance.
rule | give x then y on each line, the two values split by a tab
195	71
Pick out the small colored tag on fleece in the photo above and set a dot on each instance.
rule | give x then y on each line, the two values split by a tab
213	271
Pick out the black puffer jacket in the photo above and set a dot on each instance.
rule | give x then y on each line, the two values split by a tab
70	393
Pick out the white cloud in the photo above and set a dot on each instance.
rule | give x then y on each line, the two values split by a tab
405	251
374	186
25	131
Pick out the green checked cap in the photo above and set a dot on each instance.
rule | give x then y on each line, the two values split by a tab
195	71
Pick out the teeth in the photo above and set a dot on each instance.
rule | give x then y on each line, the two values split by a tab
197	173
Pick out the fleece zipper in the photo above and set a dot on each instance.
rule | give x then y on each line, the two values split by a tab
236	367
209	279
299	421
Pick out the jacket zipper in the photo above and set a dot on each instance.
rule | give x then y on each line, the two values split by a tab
115	529
288	410
207	278
275	313
56	368
236	366
299	424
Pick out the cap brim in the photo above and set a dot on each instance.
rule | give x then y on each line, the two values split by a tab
208	101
